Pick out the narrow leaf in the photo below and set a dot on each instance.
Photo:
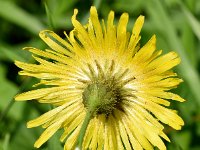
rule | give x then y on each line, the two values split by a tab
16	15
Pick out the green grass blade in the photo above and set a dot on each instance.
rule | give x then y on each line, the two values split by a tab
11	54
6	142
193	22
16	15
49	15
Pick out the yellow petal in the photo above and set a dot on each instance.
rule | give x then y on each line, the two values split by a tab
52	68
45	75
148	96
121	33
110	127
134	142
134	39
35	94
57	38
71	141
150	131
49	38
110	37
96	24
100	135
65	114
82	34
48	55
169	82
165	115
121	28
122	131
138	25
94	140
106	138
146	51
136	130
47	134
76	121
165	95
162	64
144	113
89	133
45	117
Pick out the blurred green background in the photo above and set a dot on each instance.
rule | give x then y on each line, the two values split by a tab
175	22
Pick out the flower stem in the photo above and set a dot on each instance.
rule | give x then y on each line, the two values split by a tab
96	97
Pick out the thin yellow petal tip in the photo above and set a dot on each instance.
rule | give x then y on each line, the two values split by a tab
75	14
93	9
37	144
140	20
18	98
28	124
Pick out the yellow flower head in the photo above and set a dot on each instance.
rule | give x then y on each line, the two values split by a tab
103	63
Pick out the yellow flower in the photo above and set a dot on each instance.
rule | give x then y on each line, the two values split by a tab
104	63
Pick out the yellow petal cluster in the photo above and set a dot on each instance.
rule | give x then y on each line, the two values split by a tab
103	48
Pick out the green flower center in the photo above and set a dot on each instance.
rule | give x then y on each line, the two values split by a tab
106	90
101	97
